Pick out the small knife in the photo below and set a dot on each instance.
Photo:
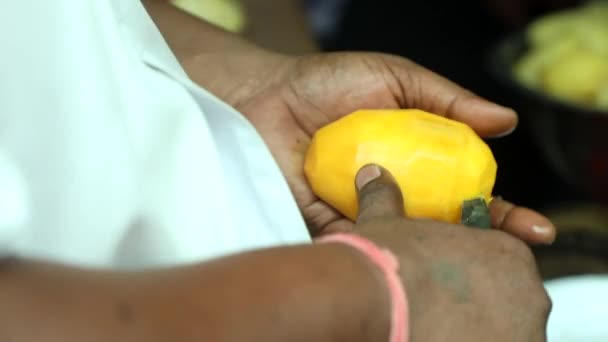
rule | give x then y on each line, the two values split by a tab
476	214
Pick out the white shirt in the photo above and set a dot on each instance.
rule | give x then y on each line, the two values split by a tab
580	309
111	157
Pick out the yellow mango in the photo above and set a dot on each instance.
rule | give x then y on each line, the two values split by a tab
551	27
568	55
530	67
602	97
437	162
577	76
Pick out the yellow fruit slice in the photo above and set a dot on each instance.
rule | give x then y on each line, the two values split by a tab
568	55
577	76
438	163
530	68
601	100
546	30
228	14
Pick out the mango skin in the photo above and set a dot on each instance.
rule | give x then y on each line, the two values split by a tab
438	163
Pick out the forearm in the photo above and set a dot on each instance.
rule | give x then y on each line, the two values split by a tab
279	26
309	293
189	36
220	61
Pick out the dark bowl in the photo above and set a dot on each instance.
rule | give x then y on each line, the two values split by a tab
572	138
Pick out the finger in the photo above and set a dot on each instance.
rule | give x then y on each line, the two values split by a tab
343	225
523	223
320	216
379	195
420	88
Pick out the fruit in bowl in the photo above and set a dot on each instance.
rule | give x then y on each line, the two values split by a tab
567	56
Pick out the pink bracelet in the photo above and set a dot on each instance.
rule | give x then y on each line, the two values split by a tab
389	265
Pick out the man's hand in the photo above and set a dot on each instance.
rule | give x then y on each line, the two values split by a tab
301	95
289	98
463	284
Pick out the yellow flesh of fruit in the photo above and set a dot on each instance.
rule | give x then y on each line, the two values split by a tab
438	163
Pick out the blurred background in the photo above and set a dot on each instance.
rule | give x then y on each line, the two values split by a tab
547	59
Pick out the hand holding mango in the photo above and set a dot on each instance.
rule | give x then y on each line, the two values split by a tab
438	163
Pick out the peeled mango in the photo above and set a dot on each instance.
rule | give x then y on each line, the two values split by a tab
438	163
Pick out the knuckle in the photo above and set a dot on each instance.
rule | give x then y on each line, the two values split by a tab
510	245
545	303
539	305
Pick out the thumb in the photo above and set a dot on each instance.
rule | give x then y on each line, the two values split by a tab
433	93
378	193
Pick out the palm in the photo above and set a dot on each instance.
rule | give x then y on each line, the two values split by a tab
289	115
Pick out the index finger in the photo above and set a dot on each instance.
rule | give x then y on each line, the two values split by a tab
522	222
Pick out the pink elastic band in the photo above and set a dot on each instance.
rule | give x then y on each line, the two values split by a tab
389	265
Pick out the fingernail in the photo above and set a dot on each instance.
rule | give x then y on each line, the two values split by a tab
493	108
504	134
367	174
546	231
492	111
541	230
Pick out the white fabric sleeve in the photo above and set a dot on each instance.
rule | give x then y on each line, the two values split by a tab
13	205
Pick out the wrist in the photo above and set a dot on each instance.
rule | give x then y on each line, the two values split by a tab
388	265
222	62
376	310
237	76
